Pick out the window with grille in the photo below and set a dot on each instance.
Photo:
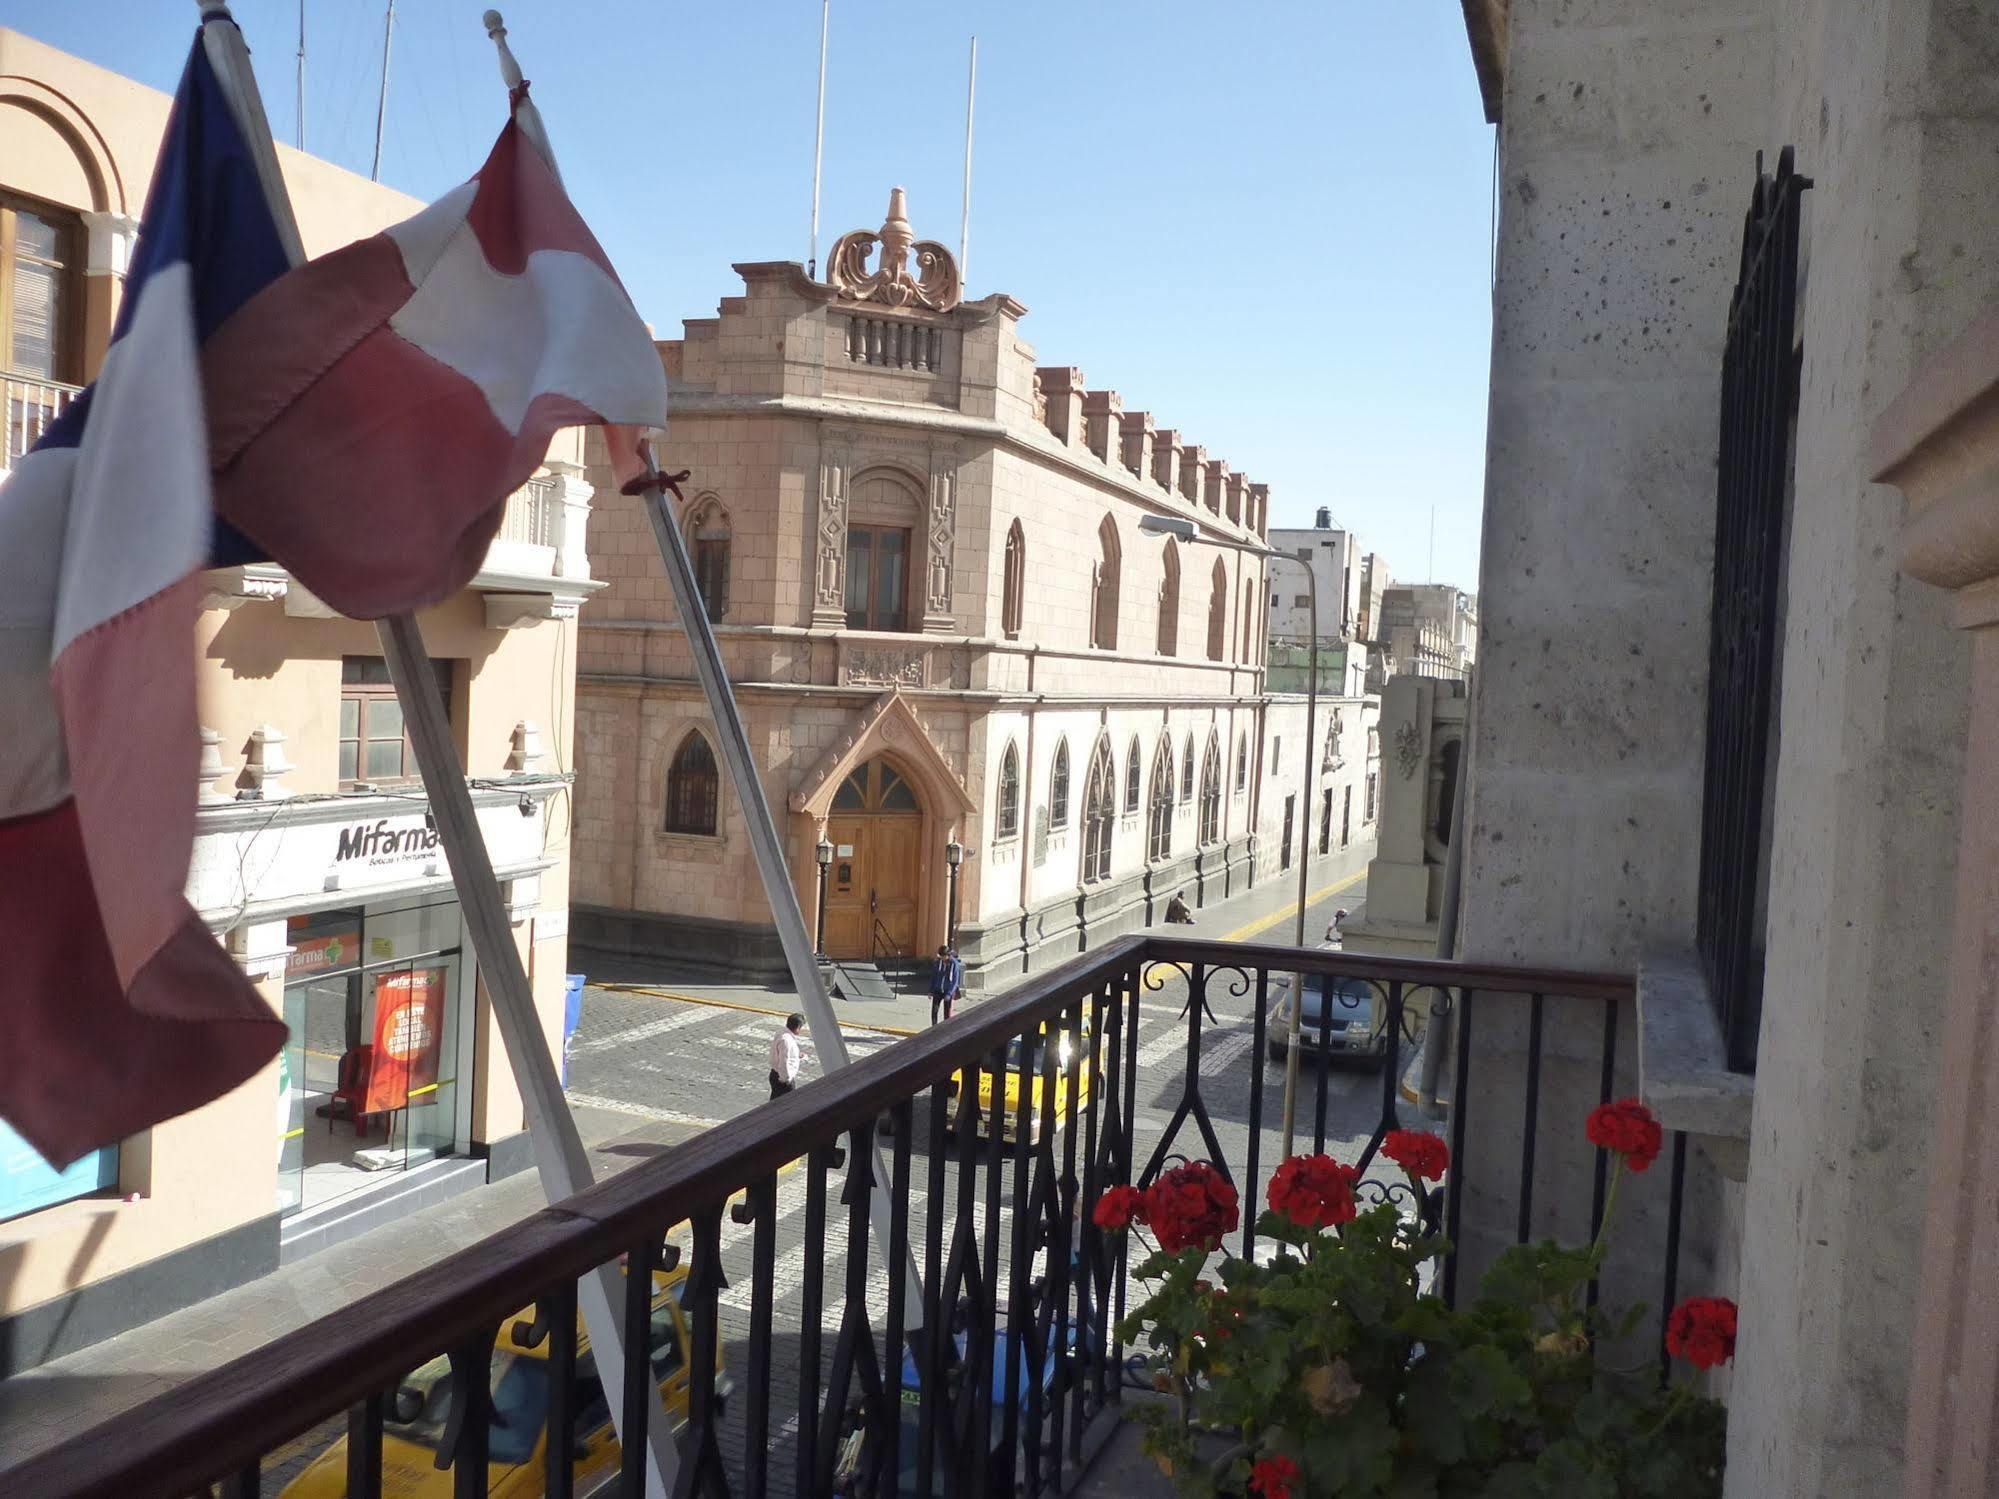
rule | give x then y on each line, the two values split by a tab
1159	822
40	262
877	578
1099	814
1006	819
710	530
1211	794
693	788
1058	787
374	741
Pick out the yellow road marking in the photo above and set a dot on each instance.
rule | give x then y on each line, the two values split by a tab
1264	923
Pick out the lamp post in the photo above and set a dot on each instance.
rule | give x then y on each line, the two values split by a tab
954	855
1183	529
824	855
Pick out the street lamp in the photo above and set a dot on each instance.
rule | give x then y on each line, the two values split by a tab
954	855
824	855
1183	529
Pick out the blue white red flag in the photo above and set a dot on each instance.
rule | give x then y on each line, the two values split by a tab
118	1008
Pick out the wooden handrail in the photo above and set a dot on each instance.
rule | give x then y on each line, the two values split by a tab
221	1420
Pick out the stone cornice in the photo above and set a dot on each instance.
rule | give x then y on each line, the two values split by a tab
1108	473
1938	442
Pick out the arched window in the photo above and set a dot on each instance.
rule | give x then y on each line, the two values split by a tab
1131	775
1218	612
1187	771
1006	820
1246	647
1058	787
1099	814
693	790
1159	820
1169	600
708	538
1211	792
1241	761
1013	584
1104	588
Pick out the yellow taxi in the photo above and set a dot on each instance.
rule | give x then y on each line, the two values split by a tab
1027	1061
419	1409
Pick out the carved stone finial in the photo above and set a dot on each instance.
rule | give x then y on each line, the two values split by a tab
264	763
525	757
934	286
212	769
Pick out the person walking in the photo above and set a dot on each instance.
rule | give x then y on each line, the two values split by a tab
787	1056
1335	934
947	977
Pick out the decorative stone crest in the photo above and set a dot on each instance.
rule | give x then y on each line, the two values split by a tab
829	579
943	528
1408	748
934	286
886	667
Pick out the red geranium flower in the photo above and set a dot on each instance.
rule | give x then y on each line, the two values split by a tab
1702	1331
1273	1477
1118	1208
1314	1191
1628	1128
1191	1206
1418	1152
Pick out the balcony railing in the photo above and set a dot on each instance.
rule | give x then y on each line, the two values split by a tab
1012	1374
533	515
28	404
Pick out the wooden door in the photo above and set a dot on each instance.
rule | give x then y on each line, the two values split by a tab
895	849
847	921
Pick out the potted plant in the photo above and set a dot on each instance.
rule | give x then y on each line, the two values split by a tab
1329	1370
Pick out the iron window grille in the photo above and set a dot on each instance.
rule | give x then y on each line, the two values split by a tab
1759	397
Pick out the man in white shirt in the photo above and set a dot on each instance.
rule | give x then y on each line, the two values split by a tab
787	1056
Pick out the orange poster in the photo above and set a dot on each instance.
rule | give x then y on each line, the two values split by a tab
409	1037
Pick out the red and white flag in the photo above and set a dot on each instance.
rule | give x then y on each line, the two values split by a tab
370	412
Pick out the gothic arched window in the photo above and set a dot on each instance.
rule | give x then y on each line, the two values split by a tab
1013	583
1006	817
1058	787
693	788
1099	814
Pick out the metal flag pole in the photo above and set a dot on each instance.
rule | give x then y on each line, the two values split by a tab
300	122
821	1023
965	212
819	136
382	99
561	1161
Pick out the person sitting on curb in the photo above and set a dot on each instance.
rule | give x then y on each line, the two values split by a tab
1177	911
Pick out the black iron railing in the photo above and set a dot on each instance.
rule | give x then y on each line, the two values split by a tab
1759	396
998	1372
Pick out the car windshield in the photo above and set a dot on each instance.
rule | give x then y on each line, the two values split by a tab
1351	998
421	1410
1064	1049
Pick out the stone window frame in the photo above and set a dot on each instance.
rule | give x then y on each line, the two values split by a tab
1100	806
1241	761
1168	640
1006	795
1133	777
1105	576
681	814
1058	785
710	542
1159	819
1218	612
1187	768
1210	826
1013	581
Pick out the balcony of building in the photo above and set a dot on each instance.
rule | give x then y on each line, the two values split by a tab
986	1228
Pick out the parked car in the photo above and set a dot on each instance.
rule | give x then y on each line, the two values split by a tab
419	1413
1341	1017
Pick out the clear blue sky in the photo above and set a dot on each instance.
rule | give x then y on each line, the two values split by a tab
1267	223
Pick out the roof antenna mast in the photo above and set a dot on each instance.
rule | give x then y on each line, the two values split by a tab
301	76
965	213
819	137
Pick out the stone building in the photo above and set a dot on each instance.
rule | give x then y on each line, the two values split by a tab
1430	628
312	862
1734	718
924	559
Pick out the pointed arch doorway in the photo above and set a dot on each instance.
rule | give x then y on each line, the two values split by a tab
874	892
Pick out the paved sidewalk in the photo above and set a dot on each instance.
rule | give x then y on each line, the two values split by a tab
42	1406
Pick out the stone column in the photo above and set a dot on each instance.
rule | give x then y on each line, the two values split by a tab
1939	443
1062	388
1166	459
1136	429
573	493
1103	424
110	237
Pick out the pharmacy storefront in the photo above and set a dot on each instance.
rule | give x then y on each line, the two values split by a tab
343	907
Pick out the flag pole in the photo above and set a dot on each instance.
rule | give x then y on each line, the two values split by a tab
819	136
965	211
561	1161
779	893
382	99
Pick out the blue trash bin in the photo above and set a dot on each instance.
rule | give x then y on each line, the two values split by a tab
572	1017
